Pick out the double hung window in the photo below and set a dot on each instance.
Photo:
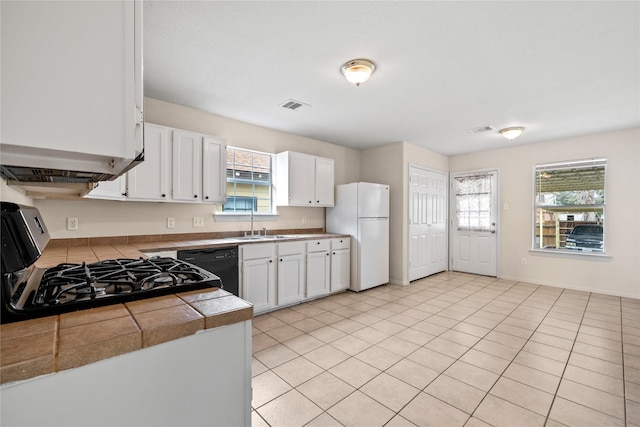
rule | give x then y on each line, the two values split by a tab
248	181
569	206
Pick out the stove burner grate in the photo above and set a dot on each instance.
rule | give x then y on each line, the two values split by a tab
68	283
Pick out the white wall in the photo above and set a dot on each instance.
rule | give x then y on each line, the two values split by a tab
620	274
389	164
116	218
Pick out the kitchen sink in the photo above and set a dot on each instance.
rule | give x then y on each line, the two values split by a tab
248	238
262	237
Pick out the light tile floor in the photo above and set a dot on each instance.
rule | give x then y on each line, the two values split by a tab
450	350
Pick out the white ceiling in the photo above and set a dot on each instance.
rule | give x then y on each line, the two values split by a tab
560	69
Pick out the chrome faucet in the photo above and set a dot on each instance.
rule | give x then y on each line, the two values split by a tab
245	233
264	229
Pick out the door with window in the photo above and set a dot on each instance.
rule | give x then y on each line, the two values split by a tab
474	223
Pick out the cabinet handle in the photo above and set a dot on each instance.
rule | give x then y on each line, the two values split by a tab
280	259
334	253
327	253
317	243
124	194
317	201
310	201
207	197
195	196
270	260
164	195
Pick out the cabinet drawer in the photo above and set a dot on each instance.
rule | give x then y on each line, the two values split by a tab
257	250
318	245
341	243
290	248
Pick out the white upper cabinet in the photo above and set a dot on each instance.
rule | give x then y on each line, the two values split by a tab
304	180
324	177
178	166
150	180
187	166
214	169
301	182
110	190
72	85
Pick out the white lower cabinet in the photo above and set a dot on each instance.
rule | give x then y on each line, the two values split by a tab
340	264
291	272
318	268
275	275
258	275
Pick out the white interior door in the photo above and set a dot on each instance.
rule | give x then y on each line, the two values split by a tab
474	222
428	249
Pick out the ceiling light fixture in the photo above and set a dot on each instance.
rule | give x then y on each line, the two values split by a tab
512	132
358	71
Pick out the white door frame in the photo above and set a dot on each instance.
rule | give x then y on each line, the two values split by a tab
446	175
452	210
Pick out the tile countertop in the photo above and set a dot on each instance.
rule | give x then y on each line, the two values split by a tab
50	344
56	343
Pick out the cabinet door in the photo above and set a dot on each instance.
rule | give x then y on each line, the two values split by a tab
109	190
72	84
290	278
301	179
318	272
214	168
187	166
150	179
258	283
340	269
324	179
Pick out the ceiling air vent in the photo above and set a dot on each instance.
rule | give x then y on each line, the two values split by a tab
481	129
292	104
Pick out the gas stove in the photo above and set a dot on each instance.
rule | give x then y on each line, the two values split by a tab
29	292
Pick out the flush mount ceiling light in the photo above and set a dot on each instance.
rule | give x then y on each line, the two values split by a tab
358	71
512	132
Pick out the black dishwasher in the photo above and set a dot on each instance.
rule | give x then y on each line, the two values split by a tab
223	262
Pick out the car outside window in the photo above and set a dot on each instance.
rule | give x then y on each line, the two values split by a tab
569	206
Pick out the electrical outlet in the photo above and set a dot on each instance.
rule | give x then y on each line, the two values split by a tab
198	221
304	219
171	223
524	261
72	223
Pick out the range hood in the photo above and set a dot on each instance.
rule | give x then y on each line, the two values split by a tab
44	173
21	175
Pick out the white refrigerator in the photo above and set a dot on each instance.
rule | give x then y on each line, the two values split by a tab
362	210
